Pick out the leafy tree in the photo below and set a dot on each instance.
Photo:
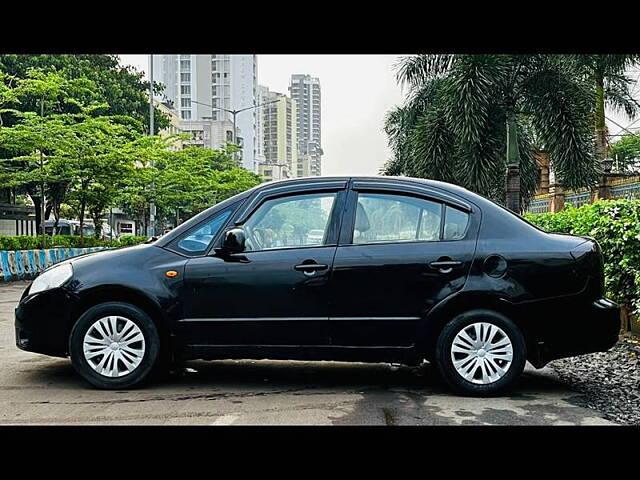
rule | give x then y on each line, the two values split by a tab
181	183
7	93
96	155
42	138
606	73
121	88
469	116
193	179
36	135
626	153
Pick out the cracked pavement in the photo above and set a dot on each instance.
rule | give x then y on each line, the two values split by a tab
35	389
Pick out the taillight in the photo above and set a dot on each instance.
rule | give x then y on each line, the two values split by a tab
589	262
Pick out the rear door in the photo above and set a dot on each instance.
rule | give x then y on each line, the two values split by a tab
399	254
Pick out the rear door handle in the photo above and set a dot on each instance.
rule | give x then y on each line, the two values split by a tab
445	266
310	268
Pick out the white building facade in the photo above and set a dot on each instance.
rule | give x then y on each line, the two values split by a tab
224	81
305	91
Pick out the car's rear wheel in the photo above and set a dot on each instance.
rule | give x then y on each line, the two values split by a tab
481	353
114	345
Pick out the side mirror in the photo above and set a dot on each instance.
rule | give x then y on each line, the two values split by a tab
233	242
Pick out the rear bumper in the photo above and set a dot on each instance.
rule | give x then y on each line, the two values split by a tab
594	327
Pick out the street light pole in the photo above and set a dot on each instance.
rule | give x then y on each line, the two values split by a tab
234	113
152	206
235	133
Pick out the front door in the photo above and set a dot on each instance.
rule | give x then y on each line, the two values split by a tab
276	291
404	254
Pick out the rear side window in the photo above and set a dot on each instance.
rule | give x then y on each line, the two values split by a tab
455	223
396	218
399	218
197	241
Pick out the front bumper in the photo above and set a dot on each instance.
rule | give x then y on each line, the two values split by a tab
42	322
594	327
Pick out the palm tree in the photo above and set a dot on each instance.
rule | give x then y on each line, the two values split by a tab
611	85
470	119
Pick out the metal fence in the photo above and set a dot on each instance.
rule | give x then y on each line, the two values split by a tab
539	205
622	188
630	190
23	264
578	199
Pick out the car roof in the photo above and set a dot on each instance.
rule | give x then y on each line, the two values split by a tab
461	191
264	187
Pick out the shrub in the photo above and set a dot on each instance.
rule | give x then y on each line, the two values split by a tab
24	242
615	224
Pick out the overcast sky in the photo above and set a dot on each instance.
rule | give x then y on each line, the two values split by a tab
357	91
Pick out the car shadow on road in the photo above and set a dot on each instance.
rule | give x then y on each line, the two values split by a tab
288	375
331	375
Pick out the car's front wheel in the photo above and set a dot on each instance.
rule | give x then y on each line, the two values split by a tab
481	353
114	345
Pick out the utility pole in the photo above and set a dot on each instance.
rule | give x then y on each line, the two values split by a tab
152	205
42	200
513	166
235	140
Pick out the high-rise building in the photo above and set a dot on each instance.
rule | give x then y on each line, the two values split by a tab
278	133
305	90
225	81
261	97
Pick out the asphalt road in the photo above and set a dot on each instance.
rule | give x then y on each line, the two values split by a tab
35	389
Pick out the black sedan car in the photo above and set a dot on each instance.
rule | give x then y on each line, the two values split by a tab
376	269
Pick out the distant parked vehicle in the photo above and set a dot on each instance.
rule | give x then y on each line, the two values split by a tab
69	227
315	236
374	269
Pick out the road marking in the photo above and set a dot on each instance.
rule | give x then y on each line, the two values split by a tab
226	420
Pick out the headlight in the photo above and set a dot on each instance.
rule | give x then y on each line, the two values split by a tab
52	278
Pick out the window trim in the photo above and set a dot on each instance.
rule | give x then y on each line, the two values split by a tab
172	245
422	191
287	190
333	225
444	222
348	224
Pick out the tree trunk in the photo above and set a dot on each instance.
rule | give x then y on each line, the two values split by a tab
82	208
512	200
56	216
36	205
97	225
48	209
601	125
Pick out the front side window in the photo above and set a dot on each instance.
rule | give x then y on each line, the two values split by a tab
295	221
396	218
197	242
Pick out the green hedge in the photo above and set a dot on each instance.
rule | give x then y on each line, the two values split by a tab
615	224
24	242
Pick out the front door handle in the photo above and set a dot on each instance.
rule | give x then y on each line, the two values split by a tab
445	265
310	268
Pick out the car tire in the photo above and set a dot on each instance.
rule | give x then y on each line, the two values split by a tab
119	360
464	353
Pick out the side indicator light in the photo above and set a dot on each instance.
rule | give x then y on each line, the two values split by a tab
171	273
